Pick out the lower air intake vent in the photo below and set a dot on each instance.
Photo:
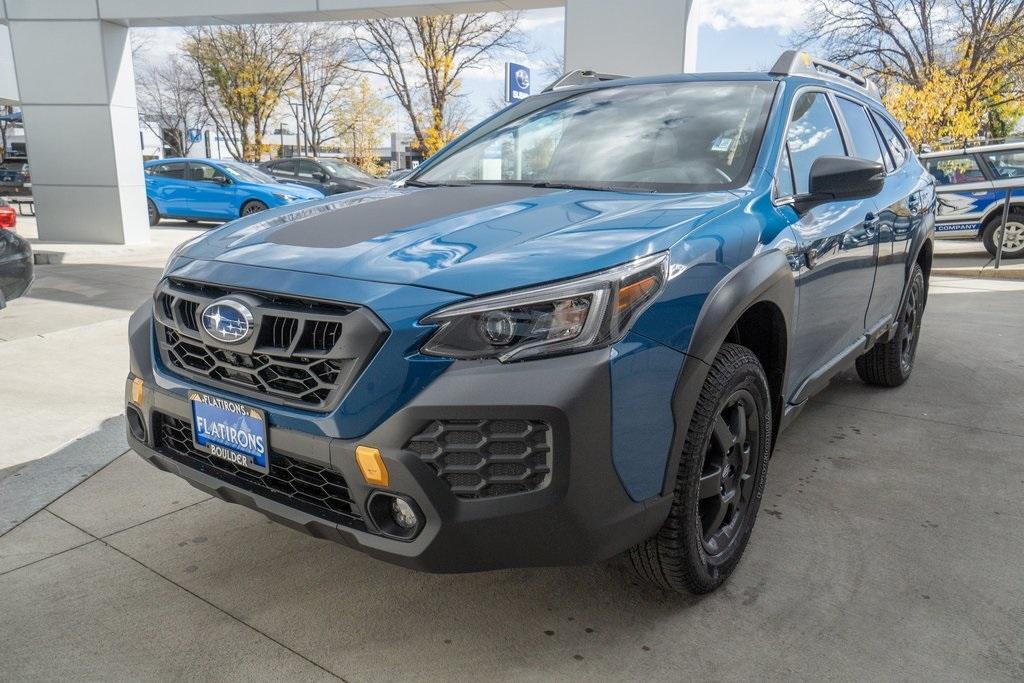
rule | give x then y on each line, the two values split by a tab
487	458
314	489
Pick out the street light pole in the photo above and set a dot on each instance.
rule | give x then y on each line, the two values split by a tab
302	92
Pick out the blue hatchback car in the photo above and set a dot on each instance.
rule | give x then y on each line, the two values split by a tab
208	190
576	331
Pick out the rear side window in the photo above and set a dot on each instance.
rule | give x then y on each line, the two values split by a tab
862	132
813	132
955	170
1007	164
172	170
893	140
284	168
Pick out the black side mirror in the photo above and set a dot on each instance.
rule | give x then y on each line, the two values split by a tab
322	177
836	178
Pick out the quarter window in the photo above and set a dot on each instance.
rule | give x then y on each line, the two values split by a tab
862	133
955	170
813	133
1007	164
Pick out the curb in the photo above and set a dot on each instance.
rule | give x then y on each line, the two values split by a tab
43	481
1014	272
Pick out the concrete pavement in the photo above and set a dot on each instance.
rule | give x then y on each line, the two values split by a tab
890	545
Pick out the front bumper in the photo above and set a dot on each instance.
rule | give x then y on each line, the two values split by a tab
581	513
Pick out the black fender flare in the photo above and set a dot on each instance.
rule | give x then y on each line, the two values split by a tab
768	276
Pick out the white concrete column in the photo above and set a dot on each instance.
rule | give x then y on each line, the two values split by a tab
77	90
635	38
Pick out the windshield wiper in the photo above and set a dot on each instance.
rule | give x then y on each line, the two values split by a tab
420	183
583	186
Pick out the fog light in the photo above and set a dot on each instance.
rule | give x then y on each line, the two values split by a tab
403	513
395	516
136	423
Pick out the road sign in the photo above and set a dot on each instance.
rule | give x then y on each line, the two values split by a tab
517	82
194	135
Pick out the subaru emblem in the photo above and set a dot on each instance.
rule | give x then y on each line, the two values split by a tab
228	321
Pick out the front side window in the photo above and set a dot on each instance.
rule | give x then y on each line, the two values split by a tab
666	137
205	173
955	170
862	132
308	169
813	132
1007	164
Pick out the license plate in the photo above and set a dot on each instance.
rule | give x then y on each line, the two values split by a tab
230	431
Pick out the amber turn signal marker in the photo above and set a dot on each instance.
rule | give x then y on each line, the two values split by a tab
637	291
372	466
137	391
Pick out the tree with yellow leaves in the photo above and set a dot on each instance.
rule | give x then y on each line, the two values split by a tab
949	68
424	59
242	72
358	120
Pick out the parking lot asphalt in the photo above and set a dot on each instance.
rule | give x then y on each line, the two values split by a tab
890	544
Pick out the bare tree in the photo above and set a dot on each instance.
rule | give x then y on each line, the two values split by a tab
423	60
169	99
243	72
906	39
324	59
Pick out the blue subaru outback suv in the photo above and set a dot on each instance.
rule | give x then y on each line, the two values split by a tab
576	331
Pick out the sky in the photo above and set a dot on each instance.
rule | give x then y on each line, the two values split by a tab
733	35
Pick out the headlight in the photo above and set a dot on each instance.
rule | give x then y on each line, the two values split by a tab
286	197
575	315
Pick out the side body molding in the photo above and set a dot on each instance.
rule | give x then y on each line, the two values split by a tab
766	277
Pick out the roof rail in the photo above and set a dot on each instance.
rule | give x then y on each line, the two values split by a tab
796	62
581	77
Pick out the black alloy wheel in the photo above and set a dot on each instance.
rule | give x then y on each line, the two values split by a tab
891	360
718	487
727	479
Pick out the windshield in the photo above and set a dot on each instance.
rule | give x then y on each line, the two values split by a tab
346	171
666	137
246	174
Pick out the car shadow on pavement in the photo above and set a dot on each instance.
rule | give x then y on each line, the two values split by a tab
94	284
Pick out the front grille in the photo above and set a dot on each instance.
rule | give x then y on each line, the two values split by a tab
487	458
304	353
313	489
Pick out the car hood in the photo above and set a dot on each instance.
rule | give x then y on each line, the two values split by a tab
471	240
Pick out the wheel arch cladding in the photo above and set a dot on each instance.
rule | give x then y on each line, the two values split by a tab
757	296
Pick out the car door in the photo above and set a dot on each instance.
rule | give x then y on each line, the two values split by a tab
836	251
963	192
213	193
169	188
1007	170
901	212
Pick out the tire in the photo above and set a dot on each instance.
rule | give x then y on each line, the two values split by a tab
1014	246
720	481
253	206
889	363
154	214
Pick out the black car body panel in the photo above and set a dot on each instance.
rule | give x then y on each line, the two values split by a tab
16	269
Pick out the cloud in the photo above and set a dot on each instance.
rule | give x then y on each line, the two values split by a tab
783	15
